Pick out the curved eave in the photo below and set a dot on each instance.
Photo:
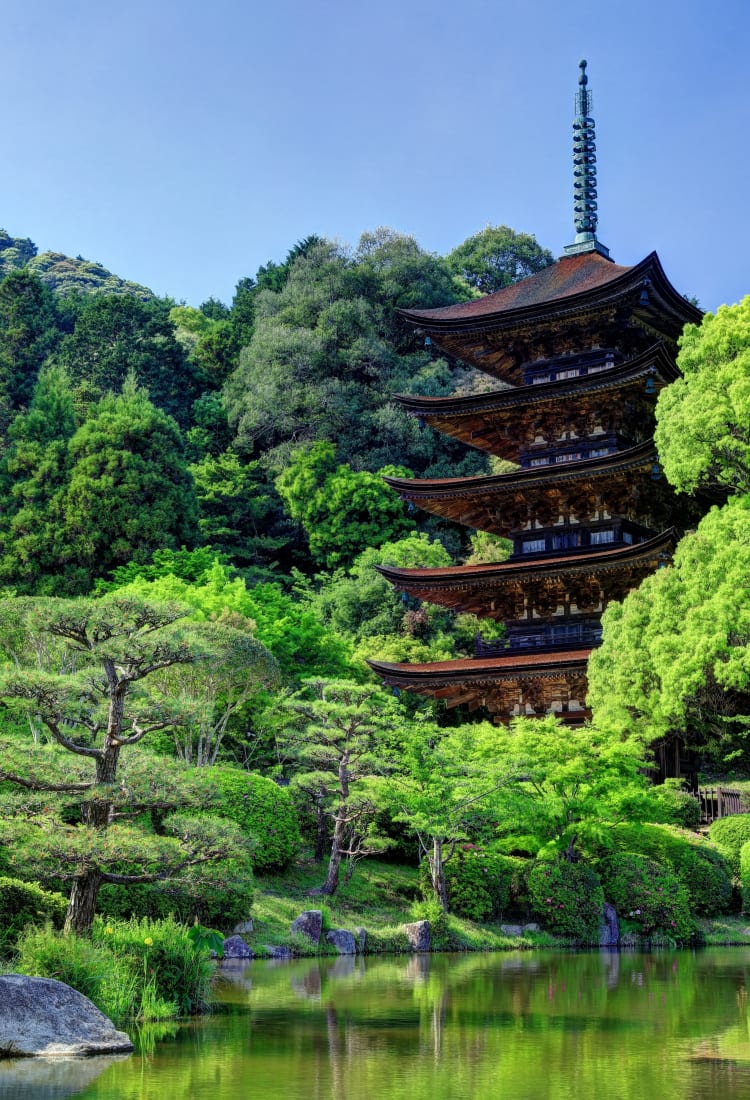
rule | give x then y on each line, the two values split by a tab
419	490
499	573
656	357
426	678
469	317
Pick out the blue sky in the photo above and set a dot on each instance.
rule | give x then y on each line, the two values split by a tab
184	144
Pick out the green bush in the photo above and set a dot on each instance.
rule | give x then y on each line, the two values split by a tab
80	963
730	833
264	811
745	876
699	865
674	806
23	904
215	904
567	898
647	895
480	883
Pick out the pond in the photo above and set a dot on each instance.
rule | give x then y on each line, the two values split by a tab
521	1026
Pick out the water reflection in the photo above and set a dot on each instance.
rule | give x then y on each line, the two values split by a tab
515	1026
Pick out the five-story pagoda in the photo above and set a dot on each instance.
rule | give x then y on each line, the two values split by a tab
583	348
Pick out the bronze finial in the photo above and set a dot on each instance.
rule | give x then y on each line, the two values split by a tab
585	206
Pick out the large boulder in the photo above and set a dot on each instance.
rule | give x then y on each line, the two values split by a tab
39	1016
418	935
343	941
310	924
609	927
236	948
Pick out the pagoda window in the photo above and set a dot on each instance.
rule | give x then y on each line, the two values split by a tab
627	537
598	538
572	456
597	452
566	541
533	546
538	378
540	461
567	374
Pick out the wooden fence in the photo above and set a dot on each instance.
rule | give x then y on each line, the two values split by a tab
716	802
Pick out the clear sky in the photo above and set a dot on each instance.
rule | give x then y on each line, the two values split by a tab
184	144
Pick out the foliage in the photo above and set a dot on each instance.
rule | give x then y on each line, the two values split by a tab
74	960
263	809
729	834
66	276
84	670
496	257
567	898
15	252
745	876
28	333
647	895
700	866
23	904
674	806
342	511
675	653
481	883
703	419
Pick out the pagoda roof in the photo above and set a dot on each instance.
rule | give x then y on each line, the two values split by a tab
568	301
477	669
474	501
562	565
571	280
491	421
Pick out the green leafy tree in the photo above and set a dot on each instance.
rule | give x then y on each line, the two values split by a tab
674	658
496	257
336	735
28	333
116	335
129	490
34	472
97	704
703	419
341	511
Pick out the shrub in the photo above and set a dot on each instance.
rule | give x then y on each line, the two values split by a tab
730	833
674	806
23	904
87	967
647	895
264	811
480	883
745	876
699	865
567	898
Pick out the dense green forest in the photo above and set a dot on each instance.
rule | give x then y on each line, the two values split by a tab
191	516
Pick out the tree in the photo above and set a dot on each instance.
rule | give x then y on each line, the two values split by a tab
442	779
336	734
674	656
341	511
116	335
33	475
95	701
28	333
703	419
496	257
129	490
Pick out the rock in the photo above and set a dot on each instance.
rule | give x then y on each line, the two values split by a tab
418	935
40	1016
511	929
244	928
52	1078
609	928
236	948
532	926
310	924
361	937
278	952
343	941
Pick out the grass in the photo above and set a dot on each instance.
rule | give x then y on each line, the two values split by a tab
726	931
380	897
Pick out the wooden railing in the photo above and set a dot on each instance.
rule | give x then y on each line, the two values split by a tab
716	802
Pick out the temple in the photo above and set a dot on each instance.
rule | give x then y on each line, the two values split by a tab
580	350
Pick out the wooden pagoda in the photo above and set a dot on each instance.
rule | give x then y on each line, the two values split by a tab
582	349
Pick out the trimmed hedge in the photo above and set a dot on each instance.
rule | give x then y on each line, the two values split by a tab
263	810
647	895
730	833
567	898
481	884
23	904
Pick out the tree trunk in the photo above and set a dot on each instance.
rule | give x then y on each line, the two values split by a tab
322	832
337	846
437	873
82	903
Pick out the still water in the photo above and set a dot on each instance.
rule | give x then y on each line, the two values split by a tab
526	1026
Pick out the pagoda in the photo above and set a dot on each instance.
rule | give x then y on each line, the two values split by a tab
581	350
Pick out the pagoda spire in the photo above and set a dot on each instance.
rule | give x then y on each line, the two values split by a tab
584	172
